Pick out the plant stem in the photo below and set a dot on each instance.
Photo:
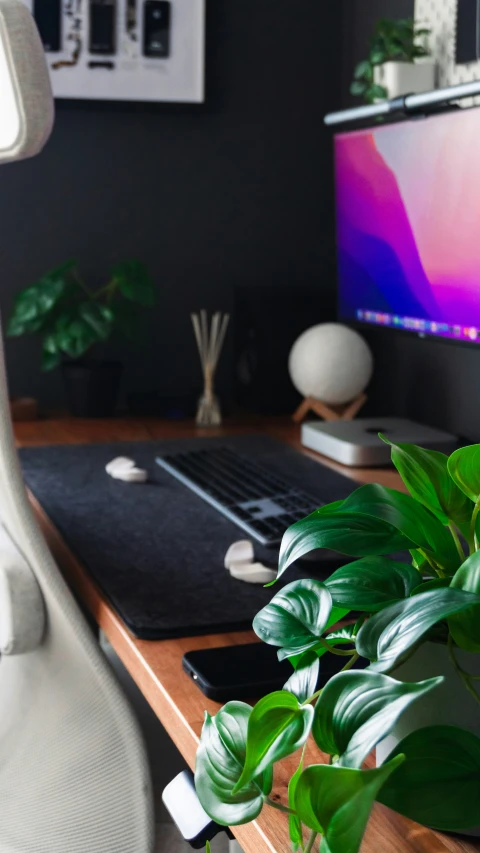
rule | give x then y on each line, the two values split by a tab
473	532
333	650
312	698
461	672
311	842
456	539
351	662
279	806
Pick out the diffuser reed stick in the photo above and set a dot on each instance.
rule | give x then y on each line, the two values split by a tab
210	340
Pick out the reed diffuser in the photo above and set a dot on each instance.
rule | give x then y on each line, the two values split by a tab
210	341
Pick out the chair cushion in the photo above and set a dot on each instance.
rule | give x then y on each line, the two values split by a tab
22	612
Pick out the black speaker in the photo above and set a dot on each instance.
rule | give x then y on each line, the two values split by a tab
267	322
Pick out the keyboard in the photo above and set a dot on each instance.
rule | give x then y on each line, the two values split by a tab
247	493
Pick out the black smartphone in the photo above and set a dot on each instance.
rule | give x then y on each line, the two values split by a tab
102	27
48	18
156	28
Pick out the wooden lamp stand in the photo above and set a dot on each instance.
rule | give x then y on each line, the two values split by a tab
329	413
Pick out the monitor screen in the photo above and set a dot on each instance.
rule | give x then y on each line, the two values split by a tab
408	225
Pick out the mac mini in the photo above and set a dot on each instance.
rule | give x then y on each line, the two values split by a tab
356	443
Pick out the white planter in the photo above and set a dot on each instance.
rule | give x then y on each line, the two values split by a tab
449	704
404	78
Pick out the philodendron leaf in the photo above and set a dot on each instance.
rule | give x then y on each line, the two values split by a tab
351	533
358	709
425	474
336	801
303	682
464	469
278	726
294	822
98	317
389	637
408	517
438	784
220	763
371	584
296	617
134	282
465	626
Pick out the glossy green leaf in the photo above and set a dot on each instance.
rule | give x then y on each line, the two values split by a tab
294	822
425	474
277	727
220	762
351	533
33	305
408	517
296	617
427	586
438	784
134	282
51	356
208	849
465	626
358	709
336	801
371	584
99	317
389	637
303	682
342	636
464	469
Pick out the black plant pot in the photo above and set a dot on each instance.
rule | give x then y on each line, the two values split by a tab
92	387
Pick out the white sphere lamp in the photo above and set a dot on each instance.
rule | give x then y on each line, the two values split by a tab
331	365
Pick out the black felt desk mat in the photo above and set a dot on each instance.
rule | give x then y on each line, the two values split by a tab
157	549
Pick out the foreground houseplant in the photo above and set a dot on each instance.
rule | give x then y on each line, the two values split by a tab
71	318
433	774
393	67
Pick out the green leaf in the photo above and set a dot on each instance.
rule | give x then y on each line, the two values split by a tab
358	709
33	305
277	727
303	682
134	282
464	469
435	583
208	849
342	636
51	357
363	71
76	338
438	784
351	533
465	626
296	617
408	517
294	822
357	89
99	317
219	766
336	801
371	584
425	474
390	636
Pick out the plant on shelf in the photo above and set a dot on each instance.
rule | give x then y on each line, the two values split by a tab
399	609
392	41
71	317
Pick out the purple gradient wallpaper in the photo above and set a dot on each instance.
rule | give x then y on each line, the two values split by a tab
408	225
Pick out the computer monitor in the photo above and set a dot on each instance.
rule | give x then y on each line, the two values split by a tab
408	225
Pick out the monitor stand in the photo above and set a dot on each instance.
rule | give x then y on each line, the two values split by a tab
356	443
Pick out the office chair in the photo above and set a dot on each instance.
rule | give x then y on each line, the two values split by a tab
74	776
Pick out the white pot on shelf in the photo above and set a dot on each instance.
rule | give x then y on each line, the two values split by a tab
449	704
404	78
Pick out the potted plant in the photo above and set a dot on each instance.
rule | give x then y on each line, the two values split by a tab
398	62
397	611
71	318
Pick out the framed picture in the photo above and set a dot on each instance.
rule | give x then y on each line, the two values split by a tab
124	50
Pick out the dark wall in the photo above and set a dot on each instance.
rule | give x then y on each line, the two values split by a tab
233	192
432	382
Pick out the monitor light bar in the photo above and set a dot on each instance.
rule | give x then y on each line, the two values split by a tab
406	105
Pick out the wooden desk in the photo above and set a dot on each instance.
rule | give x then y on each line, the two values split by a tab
156	667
